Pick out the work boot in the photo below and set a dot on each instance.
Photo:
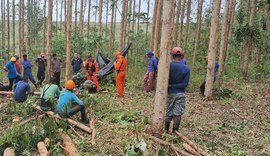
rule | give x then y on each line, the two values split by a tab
176	122
167	127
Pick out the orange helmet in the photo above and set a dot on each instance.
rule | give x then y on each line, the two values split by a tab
70	84
117	53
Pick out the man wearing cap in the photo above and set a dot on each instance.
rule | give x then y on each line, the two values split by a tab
178	82
150	74
41	62
21	90
76	63
11	71
120	66
27	66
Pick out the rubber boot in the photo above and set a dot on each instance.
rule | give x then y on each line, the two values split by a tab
167	124
176	122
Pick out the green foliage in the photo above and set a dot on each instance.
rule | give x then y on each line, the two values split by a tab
59	45
137	148
223	93
236	150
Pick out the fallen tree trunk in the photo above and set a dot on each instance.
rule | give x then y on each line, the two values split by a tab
172	146
12	93
193	145
42	149
92	125
189	149
9	152
31	119
69	147
70	121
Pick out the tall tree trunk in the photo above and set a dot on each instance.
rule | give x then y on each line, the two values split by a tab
126	22
96	13
29	16
76	14
13	27
187	22
89	16
106	22
147	24
3	24
65	12
133	15
154	25
100	18
248	44
56	10
114	24
224	35
177	22
163	68
68	40
49	38
122	29
197	30
8	29
112	29
212	49
21	28
181	22
230	28
158	26
44	25
81	18
139	17
61	15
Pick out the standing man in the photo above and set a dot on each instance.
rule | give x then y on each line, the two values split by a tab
56	67
178	82
41	62
27	66
76	63
150	74
22	89
11	72
120	67
91	68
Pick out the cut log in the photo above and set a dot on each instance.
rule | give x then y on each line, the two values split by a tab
9	152
42	149
189	149
92	125
12	93
172	146
31	119
193	145
70	121
69	147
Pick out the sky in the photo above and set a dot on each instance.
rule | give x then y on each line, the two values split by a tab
118	16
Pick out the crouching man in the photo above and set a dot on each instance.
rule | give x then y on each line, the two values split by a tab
48	94
22	89
69	104
178	81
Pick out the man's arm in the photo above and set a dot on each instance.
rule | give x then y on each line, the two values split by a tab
182	84
77	100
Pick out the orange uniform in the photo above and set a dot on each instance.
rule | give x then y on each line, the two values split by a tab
120	67
91	72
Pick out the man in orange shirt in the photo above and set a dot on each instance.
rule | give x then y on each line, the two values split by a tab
120	67
91	68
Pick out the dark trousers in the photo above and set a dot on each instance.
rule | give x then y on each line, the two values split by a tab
76	109
57	78
41	76
176	122
202	88
31	77
11	81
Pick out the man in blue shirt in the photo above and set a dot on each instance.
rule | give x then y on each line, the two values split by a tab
27	66
22	89
178	82
69	104
150	74
11	70
76	64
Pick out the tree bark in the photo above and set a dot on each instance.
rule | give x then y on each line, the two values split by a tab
21	28
96	7
133	15
29	16
177	21
122	29
147	24
65	12
112	24
68	40
44	25
88	20
8	25
3	24
181	22
49	38
76	14
100	18
61	15
163	67
212	49
56	10
230	28
158	26
70	149
197	30
224	35
81	19
13	27
139	17
154	25
248	44
187	22
106	21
